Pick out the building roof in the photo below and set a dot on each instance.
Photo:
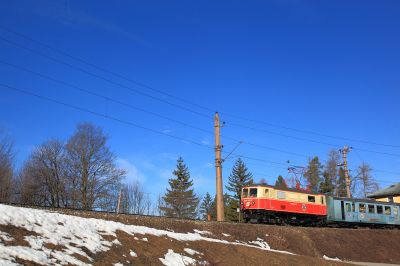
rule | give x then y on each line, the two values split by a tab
392	191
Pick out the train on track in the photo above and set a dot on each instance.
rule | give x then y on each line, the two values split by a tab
268	204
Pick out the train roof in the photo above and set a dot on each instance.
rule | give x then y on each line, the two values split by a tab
285	189
366	201
391	191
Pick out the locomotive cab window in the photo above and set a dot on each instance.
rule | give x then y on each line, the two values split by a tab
253	192
245	193
388	211
311	199
379	209
371	208
281	195
266	192
361	207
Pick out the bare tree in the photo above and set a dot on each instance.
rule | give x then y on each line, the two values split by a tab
92	168
365	183
134	199
331	171
46	168
6	168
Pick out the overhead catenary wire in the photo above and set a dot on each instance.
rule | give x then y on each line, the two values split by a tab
131	106
59	51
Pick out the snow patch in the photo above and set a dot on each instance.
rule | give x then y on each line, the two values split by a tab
132	253
226	234
6	237
145	239
191	251
118	264
176	259
77	235
261	243
328	258
202	232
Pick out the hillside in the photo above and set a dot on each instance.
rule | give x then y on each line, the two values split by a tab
43	237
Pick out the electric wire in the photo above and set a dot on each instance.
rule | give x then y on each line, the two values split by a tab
59	51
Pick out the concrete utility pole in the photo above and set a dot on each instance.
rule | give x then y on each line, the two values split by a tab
119	201
218	167
344	152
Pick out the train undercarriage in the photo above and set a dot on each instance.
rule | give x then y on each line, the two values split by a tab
283	218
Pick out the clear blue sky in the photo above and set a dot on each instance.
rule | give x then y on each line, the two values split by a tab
330	67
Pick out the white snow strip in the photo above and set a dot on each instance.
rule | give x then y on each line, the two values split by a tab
226	234
334	259
202	232
5	236
145	239
118	264
175	259
191	251
132	253
77	234
260	242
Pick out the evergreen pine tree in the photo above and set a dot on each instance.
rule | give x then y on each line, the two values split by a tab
180	199
206	205
313	174
230	209
240	177
281	183
326	186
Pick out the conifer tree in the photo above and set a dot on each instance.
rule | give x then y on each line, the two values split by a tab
326	186
281	183
206	205
230	209
240	177
180	199
313	174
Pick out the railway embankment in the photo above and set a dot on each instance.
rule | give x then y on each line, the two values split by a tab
42	237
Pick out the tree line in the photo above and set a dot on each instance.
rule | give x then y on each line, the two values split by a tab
82	173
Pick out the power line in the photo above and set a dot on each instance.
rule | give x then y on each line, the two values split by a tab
102	115
103	78
190	102
128	105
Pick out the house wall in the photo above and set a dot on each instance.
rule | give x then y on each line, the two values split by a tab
395	199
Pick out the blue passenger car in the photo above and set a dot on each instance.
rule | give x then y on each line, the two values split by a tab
362	212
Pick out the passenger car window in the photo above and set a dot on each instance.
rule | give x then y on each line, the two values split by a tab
348	207
371	208
281	195
253	192
361	207
245	193
388	211
379	209
311	199
353	207
395	211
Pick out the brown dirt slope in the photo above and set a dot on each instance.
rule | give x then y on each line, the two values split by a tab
369	245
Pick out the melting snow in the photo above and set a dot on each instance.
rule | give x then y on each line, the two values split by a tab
191	251
145	239
327	258
77	235
5	236
132	253
175	259
202	232
226	234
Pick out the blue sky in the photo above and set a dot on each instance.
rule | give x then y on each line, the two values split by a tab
327	67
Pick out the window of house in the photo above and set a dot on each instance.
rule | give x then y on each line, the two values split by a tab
281	195
311	198
253	192
371	208
361	207
245	192
379	209
388	211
